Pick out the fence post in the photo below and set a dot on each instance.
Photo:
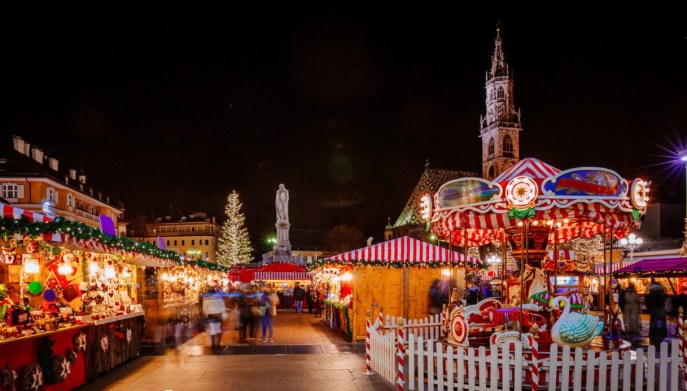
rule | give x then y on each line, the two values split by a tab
401	352
534	378
368	368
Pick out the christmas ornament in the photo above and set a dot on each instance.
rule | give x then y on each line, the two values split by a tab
31	378
80	341
9	377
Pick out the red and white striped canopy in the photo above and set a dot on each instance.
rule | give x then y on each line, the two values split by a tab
403	249
530	167
281	271
10	212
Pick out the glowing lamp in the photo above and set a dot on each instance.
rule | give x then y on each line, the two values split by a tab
126	273
65	268
426	207
31	265
346	277
93	268
110	272
445	272
165	277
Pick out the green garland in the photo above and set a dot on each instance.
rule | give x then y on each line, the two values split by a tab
81	231
344	308
389	264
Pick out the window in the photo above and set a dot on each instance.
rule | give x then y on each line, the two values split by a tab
206	242
168	242
491	172
491	147
91	210
12	191
501	94
183	243
82	206
52	195
193	242
70	200
175	242
508	146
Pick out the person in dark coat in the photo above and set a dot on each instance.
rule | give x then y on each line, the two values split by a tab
656	304
435	298
299	295
309	298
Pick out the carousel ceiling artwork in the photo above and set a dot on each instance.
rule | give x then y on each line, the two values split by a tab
584	201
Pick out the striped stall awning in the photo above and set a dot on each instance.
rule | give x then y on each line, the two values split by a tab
599	267
281	275
403	249
10	212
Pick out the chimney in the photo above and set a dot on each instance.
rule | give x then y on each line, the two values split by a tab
100	195
27	149
72	174
37	154
82	178
369	241
90	189
18	144
53	163
66	179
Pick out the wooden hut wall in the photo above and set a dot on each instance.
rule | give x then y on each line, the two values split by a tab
385	287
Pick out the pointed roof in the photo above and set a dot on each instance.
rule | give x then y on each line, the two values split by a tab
499	67
401	250
530	167
430	181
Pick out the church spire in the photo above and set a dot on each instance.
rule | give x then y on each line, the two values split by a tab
499	67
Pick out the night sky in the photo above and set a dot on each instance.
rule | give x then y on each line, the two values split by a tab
341	105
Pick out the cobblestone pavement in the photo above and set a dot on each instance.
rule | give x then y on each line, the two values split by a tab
306	355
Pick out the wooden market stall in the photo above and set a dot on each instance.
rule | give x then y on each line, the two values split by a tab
279	275
394	275
671	272
70	300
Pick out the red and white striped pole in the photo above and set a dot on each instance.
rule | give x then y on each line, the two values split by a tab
534	378
368	367
380	324
401	352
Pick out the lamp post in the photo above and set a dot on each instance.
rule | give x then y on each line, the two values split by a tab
494	260
683	157
631	243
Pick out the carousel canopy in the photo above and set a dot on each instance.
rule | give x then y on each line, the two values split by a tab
401	250
662	267
585	201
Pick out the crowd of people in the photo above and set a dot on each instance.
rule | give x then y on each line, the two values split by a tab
251	309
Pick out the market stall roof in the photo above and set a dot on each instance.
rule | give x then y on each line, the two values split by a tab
281	271
401	250
10	212
660	267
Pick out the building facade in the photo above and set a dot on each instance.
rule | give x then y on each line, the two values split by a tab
501	125
32	180
194	237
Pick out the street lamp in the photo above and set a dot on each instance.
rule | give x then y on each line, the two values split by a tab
631	243
683	157
494	260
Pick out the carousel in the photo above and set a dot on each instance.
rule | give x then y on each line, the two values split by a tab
534	209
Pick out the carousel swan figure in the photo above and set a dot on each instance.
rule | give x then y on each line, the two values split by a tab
572	328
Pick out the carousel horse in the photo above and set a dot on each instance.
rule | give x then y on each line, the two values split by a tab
539	294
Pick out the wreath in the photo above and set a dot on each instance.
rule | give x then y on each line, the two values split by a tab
9	376
80	341
60	368
31	378
71	356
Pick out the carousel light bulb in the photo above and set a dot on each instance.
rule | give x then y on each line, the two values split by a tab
549	223
535	222
565	221
558	224
519	223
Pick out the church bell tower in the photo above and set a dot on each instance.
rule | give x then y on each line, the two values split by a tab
500	126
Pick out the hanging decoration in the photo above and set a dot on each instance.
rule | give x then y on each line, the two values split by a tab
31	378
80	341
521	192
9	377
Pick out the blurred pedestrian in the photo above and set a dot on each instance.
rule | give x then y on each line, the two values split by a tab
435	301
308	298
288	297
655	303
271	300
298	296
633	324
213	309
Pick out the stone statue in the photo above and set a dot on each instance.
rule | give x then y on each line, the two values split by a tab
282	203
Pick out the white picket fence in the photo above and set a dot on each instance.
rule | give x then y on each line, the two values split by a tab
409	355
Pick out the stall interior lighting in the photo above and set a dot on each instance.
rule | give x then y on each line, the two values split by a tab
110	272
65	268
445	272
346	277
93	268
31	265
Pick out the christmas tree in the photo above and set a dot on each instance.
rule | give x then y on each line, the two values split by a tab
234	245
